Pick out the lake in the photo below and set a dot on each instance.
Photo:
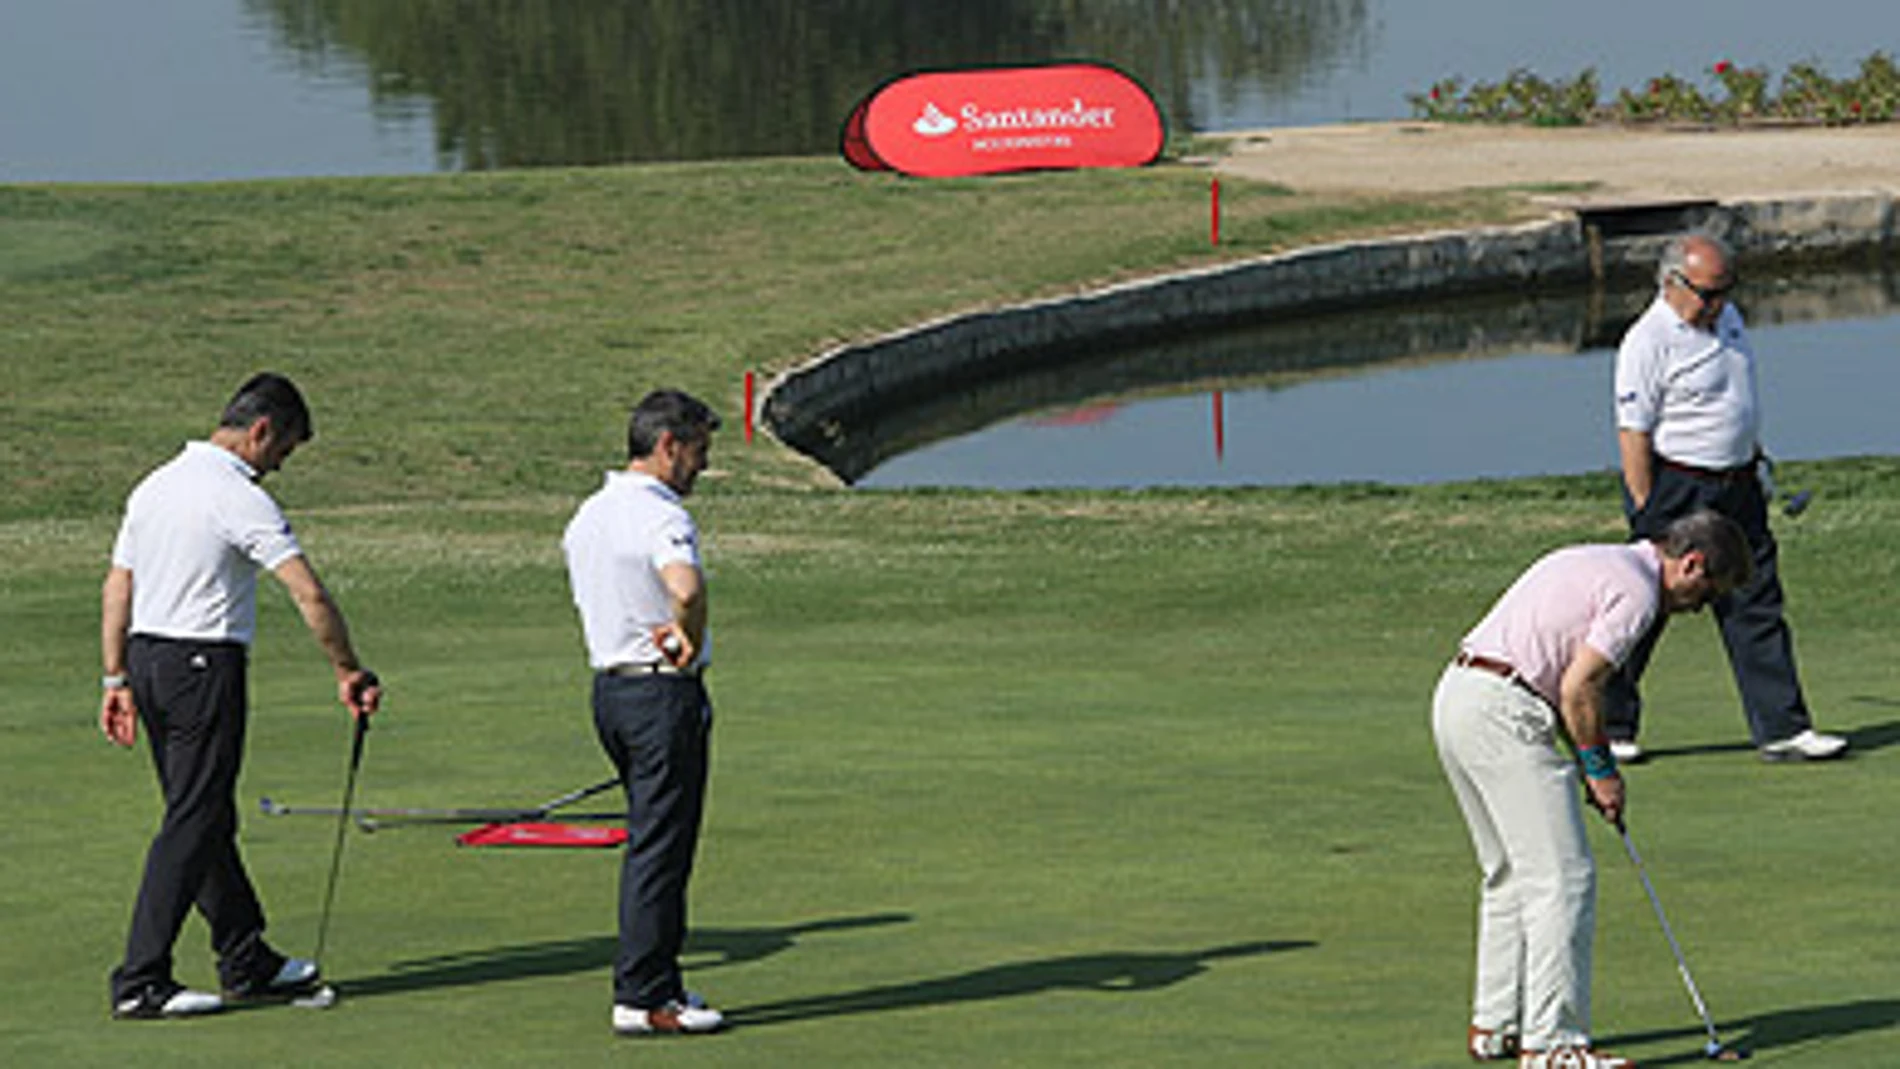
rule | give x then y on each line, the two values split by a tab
186	90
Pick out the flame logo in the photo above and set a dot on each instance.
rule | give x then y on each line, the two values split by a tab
933	123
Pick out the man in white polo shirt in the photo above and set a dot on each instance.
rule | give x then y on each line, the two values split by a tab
178	611
634	565
1688	422
1530	674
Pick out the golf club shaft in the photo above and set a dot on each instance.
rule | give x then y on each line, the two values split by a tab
372	822
574	796
358	729
1682	963
491	814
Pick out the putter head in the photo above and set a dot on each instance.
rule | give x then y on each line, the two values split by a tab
1797	503
1716	1052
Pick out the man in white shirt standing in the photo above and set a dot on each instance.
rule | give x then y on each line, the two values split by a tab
634	566
1688	423
178	611
1529	675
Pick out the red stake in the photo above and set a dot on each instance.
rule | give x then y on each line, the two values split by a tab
748	407
1213	197
1220	428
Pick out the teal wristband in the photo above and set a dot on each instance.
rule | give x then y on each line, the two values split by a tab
1598	762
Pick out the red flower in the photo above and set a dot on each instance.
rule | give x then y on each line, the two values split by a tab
1434	92
1655	87
1854	107
1724	67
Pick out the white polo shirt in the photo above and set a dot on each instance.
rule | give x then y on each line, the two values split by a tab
1692	390
616	544
1604	596
196	530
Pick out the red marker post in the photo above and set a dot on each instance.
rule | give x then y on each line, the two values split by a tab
1213	198
1220	428
748	407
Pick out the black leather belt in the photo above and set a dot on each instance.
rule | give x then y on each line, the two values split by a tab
650	668
1726	475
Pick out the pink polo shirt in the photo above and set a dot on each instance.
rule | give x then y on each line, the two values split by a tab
1602	595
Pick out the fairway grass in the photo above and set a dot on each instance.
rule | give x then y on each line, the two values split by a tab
1046	779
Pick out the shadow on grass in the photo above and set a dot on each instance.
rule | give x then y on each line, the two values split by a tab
1874	736
1863	740
706	948
1085	972
1769	1031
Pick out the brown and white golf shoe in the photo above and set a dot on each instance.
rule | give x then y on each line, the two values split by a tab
1487	1045
1573	1058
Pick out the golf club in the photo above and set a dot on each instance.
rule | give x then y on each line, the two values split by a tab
359	729
371	822
1714	1050
1797	503
371	819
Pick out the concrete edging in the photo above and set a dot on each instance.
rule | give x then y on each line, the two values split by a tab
808	403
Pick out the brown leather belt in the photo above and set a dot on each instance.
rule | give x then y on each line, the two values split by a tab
1727	475
1501	669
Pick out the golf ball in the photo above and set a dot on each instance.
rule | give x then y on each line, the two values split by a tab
322	998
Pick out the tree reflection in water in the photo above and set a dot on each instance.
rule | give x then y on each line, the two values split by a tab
525	83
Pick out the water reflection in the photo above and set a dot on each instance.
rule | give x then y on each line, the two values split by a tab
540	82
1452	389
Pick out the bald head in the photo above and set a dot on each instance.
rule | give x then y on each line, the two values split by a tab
1696	273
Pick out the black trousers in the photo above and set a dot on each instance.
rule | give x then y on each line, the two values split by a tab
1755	633
192	703
657	730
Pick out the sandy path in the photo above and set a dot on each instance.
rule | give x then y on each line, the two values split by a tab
1621	163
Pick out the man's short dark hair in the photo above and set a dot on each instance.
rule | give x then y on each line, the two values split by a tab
1720	540
269	394
662	411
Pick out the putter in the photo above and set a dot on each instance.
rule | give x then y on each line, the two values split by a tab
1714	1050
359	729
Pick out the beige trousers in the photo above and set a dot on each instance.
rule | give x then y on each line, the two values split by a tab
1537	908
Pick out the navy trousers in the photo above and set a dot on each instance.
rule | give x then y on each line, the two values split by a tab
1755	633
192	705
657	731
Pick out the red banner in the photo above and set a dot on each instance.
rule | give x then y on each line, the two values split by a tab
943	124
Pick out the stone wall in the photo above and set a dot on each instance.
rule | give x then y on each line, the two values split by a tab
809	405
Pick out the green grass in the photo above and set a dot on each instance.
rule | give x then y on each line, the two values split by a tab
480	336
1043	779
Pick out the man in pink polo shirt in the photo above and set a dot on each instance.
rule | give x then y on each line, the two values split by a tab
1530	675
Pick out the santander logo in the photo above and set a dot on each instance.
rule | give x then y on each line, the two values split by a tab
1074	116
989	120
934	123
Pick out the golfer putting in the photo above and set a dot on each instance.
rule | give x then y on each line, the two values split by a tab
1530	675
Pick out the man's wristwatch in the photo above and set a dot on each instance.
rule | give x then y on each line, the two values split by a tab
113	682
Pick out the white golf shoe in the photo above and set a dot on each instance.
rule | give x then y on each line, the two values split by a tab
296	976
1809	745
157	1003
676	1018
